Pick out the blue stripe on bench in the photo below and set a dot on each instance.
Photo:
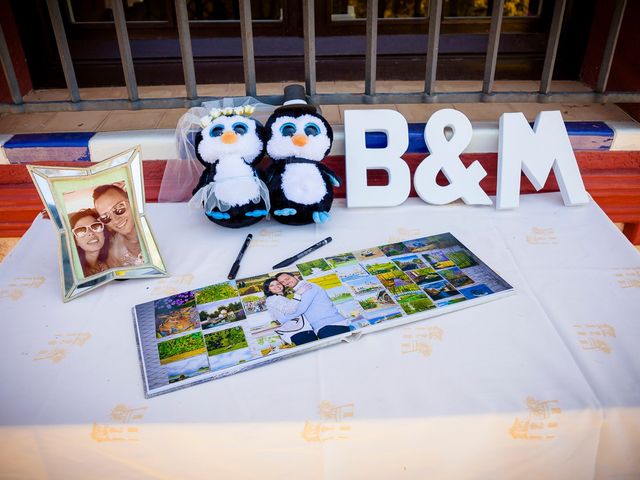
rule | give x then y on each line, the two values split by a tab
33	147
583	136
74	146
590	135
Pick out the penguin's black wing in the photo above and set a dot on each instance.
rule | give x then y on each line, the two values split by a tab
336	181
206	177
274	169
269	172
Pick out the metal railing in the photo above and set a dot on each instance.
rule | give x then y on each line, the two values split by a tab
428	95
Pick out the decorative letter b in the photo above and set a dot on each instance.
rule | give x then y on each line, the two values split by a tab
359	158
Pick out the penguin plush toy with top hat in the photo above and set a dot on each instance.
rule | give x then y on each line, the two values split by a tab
298	139
230	189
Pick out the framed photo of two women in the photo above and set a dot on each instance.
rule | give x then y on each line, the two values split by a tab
99	213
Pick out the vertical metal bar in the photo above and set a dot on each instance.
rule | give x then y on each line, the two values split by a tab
185	49
125	50
492	46
372	48
9	72
552	46
248	59
435	7
610	46
309	32
63	49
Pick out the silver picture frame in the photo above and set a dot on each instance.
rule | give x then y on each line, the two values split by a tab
64	190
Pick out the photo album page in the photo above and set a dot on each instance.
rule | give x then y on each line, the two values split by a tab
221	329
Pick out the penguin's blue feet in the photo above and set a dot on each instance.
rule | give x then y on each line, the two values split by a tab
218	215
321	217
257	213
285	212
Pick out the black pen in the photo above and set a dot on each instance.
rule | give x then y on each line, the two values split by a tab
236	264
298	256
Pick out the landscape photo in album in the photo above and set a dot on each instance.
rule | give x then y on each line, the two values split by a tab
234	325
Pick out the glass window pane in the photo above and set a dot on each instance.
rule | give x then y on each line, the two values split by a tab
96	11
356	9
521	8
482	8
229	10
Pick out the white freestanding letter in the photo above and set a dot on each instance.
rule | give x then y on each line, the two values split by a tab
445	155
535	151
359	158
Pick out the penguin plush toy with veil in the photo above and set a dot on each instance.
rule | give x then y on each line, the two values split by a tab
230	189
297	140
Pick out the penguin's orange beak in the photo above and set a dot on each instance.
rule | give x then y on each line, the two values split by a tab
299	140
229	137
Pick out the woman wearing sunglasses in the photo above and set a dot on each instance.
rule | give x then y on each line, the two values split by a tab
92	241
114	210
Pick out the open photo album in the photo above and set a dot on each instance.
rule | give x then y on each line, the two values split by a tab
222	329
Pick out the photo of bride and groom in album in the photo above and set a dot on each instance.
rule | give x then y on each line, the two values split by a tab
230	326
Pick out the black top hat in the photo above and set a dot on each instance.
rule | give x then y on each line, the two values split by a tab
295	98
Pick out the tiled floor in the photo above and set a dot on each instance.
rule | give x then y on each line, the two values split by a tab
119	120
105	121
170	117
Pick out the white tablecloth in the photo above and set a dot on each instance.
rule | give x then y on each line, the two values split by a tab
541	384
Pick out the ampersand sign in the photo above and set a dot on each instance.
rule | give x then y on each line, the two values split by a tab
445	156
